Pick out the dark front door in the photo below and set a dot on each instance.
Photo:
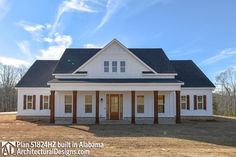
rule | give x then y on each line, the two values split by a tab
114	107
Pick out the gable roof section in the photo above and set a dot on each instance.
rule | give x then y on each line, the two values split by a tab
114	41
38	74
72	59
190	74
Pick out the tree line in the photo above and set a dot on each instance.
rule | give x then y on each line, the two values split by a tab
9	76
224	98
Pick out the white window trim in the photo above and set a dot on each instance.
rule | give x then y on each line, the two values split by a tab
200	102
27	101
140	105
183	102
47	102
104	66
87	104
162	104
65	104
116	67
124	66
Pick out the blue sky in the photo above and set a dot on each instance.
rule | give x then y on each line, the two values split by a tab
200	30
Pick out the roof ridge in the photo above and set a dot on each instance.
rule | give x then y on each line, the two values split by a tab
46	60
181	60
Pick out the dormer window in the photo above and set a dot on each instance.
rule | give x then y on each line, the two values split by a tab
114	66
106	66
122	66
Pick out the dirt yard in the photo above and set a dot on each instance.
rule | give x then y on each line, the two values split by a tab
192	138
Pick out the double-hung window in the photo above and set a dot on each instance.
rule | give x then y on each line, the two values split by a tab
29	102
200	102
88	104
161	103
106	66
68	103
184	102
46	102
122	66
114	66
140	104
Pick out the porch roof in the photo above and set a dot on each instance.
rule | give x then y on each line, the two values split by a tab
129	80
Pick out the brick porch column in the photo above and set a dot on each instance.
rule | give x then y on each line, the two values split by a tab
177	93
155	107
52	107
74	106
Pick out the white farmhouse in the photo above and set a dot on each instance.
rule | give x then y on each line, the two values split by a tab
114	84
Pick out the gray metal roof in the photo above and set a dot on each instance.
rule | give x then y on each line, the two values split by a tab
155	58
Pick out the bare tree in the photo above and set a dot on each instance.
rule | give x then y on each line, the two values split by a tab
9	76
225	98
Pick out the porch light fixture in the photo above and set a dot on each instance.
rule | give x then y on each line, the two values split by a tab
101	100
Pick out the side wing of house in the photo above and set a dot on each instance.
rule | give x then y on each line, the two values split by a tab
33	100
196	93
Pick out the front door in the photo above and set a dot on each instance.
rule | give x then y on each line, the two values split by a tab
114	107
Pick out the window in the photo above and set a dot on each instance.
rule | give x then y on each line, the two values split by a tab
88	104
199	102
68	103
29	102
46	102
122	66
140	104
161	103
183	102
106	66
114	66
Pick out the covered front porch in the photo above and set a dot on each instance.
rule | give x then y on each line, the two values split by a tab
96	103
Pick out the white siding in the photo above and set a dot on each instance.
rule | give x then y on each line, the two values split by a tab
191	93
32	91
114	52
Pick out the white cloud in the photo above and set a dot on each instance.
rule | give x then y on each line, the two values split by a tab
24	47
111	7
4	8
36	30
13	61
70	5
92	46
58	44
32	28
220	56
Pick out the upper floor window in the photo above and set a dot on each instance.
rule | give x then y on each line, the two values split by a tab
106	66
122	66
161	103
114	66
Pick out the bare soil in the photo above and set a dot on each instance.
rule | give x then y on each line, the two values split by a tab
216	138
